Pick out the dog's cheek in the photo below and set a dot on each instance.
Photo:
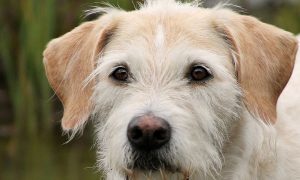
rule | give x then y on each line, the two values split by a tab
110	121
111	138
106	98
226	107
213	109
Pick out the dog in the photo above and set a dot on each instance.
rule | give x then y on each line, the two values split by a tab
288	106
177	91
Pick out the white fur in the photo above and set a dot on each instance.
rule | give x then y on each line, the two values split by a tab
160	37
289	101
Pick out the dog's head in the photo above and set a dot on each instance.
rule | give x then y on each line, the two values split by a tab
167	84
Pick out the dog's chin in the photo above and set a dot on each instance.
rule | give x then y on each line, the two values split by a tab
163	172
153	165
148	163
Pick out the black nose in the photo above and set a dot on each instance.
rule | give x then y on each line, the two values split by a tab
148	132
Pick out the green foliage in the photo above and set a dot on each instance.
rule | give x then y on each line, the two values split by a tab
22	42
289	18
284	15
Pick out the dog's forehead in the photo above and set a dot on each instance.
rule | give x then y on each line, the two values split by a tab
161	27
155	35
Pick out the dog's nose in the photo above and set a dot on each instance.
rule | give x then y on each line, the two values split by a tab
148	132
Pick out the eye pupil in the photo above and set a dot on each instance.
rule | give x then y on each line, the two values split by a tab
199	73
120	74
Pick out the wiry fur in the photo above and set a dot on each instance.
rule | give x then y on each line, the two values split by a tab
218	129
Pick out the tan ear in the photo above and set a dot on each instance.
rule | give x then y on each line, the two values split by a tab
265	58
68	61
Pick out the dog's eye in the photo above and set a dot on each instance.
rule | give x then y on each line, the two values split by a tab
120	74
199	73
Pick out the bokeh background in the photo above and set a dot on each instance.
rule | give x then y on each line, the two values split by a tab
31	141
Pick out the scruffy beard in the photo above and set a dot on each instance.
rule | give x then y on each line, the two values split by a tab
161	161
155	164
152	160
161	174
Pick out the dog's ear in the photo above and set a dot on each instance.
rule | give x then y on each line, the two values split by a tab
264	56
68	61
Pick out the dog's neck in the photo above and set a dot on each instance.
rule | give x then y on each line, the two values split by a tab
251	150
261	151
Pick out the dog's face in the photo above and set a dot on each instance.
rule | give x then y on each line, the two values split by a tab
168	84
169	93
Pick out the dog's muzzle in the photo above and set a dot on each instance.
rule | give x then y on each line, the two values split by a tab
148	136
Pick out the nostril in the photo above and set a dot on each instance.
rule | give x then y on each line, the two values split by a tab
136	133
160	135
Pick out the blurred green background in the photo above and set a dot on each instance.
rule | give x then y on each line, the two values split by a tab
31	141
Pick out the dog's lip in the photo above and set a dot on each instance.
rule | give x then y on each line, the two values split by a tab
153	164
129	173
171	169
153	161
154	167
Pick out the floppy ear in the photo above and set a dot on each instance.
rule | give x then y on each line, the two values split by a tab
68	61
265	57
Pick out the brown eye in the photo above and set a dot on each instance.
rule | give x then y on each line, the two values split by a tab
120	74
199	73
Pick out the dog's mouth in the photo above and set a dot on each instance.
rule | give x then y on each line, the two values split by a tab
149	163
159	174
